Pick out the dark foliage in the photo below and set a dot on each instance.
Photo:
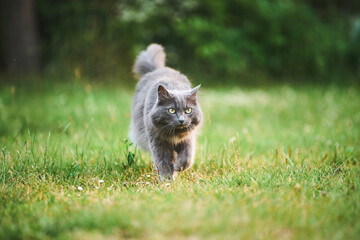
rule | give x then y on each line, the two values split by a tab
233	40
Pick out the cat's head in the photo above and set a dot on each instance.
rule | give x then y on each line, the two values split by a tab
176	112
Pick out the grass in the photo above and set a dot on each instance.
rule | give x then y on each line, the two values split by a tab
275	163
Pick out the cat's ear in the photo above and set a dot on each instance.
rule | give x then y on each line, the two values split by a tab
163	94
193	94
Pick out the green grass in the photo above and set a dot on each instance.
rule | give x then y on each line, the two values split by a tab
274	163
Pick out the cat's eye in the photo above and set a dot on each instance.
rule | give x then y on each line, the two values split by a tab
188	110
172	111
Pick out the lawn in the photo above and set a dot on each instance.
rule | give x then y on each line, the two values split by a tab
271	163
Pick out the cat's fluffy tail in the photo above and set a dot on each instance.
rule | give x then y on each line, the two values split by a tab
149	60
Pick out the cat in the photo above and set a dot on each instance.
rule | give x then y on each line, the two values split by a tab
165	113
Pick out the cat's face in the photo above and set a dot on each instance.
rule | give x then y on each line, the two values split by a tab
176	112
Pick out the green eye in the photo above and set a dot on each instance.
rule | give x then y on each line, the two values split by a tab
188	110
172	111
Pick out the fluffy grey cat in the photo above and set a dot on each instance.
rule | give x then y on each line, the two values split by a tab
165	113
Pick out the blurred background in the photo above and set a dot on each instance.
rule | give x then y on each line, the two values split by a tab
214	42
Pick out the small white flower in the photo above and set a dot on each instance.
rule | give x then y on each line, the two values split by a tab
80	188
101	181
78	195
147	183
97	187
232	140
167	184
148	175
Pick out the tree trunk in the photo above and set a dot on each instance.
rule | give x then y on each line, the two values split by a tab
19	40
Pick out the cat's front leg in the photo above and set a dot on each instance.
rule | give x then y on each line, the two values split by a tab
163	157
185	156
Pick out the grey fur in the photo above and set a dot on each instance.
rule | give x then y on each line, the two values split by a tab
170	138
149	60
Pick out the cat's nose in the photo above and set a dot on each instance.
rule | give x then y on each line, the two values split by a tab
181	119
